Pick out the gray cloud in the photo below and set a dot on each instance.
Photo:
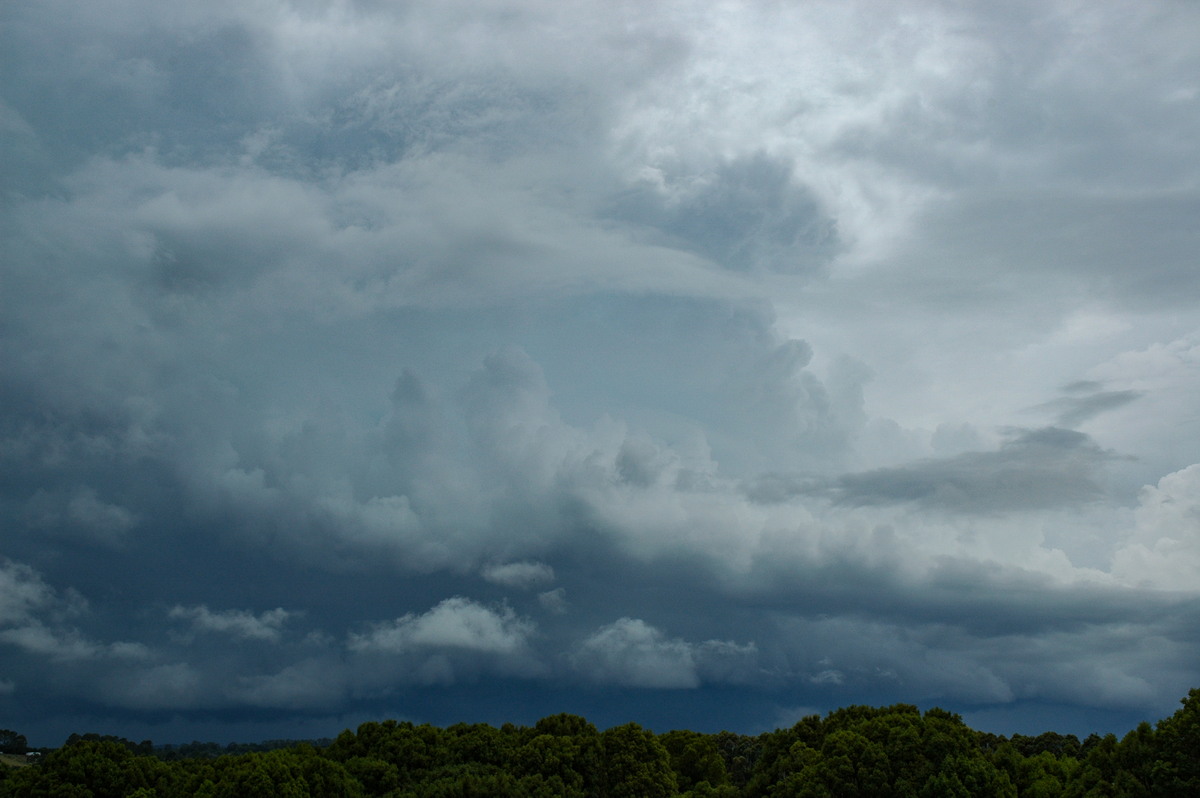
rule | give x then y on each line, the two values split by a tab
304	685
630	652
988	669
266	626
1089	401
701	321
554	600
80	512
747	213
1035	469
522	575
36	619
22	593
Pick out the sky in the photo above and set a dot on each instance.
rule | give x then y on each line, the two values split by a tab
704	365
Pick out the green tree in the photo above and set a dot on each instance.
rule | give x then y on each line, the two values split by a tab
12	743
92	768
852	765
376	776
636	765
695	759
1176	771
1097	772
565	725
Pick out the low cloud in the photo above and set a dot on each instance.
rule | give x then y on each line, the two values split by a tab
932	661
54	643
632	653
458	640
81	514
37	619
177	686
307	684
554	601
456	623
267	626
523	575
22	593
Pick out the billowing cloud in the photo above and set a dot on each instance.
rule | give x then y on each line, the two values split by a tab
22	593
632	653
1164	547
36	619
456	623
841	353
745	214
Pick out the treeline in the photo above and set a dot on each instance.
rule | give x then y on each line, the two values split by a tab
13	743
855	751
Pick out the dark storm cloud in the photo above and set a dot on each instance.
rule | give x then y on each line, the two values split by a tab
1035	469
413	360
930	660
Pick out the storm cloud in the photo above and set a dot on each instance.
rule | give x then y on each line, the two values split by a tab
479	362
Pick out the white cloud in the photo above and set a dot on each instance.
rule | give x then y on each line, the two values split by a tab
632	653
1164	547
455	623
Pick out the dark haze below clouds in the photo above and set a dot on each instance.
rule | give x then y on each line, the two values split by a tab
701	369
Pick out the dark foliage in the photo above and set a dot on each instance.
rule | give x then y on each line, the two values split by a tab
12	743
884	752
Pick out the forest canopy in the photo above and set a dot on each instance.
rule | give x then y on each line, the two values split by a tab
887	751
